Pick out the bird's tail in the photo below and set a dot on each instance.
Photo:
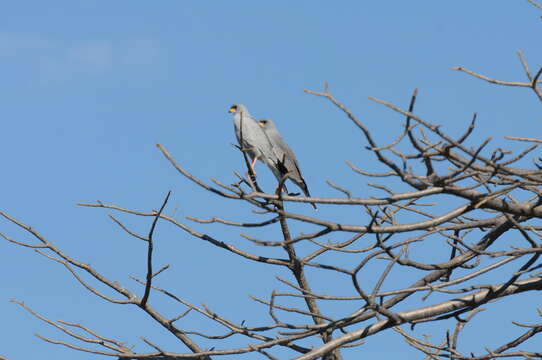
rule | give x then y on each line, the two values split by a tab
303	185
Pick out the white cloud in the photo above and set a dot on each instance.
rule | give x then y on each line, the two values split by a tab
15	44
92	56
140	52
50	60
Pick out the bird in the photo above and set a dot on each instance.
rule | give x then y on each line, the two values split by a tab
287	163
251	137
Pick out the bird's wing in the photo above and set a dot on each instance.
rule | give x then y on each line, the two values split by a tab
286	154
264	147
292	165
289	160
274	155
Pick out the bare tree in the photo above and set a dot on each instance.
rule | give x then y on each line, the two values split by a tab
481	206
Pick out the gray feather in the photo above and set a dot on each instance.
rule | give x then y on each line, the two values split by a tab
251	136
287	162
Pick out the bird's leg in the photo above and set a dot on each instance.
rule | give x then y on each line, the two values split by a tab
253	164
251	173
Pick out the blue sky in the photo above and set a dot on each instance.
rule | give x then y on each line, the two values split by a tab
88	88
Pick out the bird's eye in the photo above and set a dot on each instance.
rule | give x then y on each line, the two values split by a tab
233	108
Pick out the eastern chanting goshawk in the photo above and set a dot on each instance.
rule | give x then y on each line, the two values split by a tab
251	137
262	141
287	163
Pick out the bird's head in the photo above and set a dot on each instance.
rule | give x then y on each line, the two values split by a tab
238	108
266	124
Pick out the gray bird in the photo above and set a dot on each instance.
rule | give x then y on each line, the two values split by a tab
287	162
251	137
